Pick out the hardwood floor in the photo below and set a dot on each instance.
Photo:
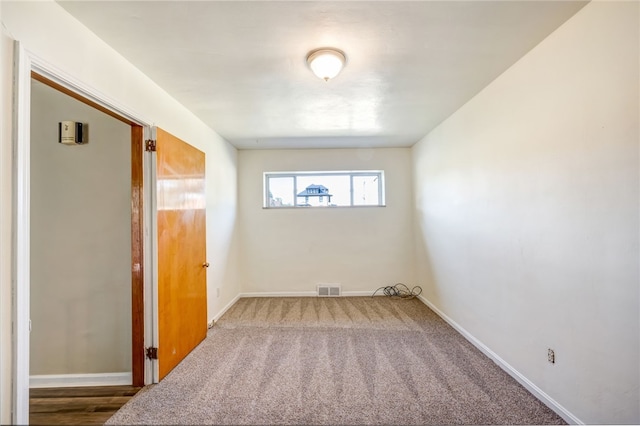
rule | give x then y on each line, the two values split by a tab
77	406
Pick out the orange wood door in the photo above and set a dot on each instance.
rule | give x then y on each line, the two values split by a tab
182	273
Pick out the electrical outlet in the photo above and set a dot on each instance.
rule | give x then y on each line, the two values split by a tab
551	356
217	292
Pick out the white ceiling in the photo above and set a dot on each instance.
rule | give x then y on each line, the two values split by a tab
240	66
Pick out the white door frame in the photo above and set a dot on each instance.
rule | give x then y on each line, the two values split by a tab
151	331
24	63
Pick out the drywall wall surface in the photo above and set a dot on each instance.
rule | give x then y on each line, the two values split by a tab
6	258
294	249
74	50
221	187
527	215
80	240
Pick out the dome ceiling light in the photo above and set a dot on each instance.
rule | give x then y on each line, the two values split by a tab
326	63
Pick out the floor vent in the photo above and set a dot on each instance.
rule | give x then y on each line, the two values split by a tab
329	290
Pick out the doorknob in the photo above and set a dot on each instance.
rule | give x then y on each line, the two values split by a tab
205	265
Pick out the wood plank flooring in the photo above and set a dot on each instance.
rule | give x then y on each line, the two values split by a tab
77	406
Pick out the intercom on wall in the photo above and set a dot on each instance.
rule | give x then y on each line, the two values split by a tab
71	133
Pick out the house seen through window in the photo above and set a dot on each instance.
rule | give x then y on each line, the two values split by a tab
324	189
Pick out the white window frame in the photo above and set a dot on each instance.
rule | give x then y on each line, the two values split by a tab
351	173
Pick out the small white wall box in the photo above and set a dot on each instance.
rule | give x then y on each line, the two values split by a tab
70	133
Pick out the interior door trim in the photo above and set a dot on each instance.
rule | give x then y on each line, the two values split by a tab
137	257
29	66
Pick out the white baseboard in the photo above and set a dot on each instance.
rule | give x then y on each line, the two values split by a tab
530	386
72	380
225	309
280	294
304	294
359	293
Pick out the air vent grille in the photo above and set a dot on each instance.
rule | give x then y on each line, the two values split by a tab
329	290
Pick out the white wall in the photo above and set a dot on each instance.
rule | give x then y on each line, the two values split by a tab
80	240
293	250
6	259
527	214
51	34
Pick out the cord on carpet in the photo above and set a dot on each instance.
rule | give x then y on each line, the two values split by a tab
400	291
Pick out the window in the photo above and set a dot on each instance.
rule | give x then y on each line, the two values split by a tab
324	189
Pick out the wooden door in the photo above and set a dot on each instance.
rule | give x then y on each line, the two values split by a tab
182	262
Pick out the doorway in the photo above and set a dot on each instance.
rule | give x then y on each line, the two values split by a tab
86	244
28	67
80	245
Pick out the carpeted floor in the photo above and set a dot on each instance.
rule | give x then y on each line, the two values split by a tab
357	360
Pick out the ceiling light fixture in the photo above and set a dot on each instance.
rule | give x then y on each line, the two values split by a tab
326	63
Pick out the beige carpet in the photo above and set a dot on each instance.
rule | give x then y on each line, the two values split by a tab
358	360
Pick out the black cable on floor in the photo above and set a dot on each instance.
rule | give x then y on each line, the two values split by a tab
400	291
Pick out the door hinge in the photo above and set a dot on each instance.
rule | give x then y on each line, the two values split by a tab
150	145
152	353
